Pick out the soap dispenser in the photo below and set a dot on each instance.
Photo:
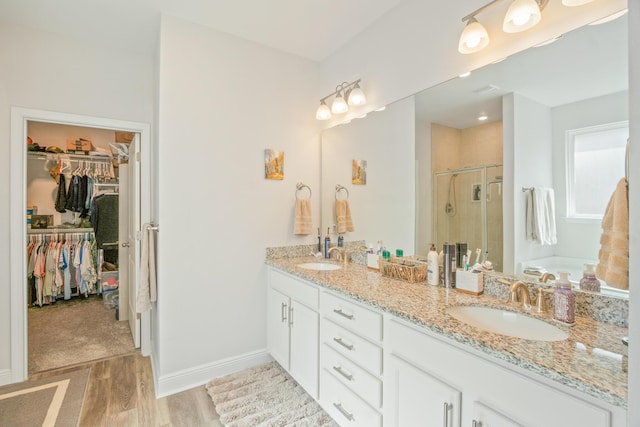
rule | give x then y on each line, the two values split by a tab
327	244
564	300
589	282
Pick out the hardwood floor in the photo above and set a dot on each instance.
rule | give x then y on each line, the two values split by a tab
120	393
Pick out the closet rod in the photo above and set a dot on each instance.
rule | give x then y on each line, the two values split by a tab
57	156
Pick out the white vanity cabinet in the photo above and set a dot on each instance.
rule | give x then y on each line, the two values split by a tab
350	361
427	377
293	328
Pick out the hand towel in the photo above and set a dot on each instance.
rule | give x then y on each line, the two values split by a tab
302	223
147	289
613	266
541	216
343	216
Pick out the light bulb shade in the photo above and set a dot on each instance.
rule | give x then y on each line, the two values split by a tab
573	3
323	112
522	15
474	37
339	105
356	96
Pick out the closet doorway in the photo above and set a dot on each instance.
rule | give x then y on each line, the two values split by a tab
102	222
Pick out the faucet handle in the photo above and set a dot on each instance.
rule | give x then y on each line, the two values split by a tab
541	303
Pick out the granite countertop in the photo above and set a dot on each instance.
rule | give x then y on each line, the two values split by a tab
592	360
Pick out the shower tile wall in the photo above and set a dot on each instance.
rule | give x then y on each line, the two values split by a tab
464	148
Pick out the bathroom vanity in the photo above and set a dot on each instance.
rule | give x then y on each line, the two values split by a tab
381	352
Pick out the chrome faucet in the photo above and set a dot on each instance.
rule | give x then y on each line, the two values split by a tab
519	295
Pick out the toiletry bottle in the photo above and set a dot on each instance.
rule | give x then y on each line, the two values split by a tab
340	241
327	244
433	269
589	282
319	241
564	300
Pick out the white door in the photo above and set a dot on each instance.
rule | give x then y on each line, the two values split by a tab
132	243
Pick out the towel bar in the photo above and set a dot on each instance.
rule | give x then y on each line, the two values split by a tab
339	188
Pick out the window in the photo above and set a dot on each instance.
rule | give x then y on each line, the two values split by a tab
595	164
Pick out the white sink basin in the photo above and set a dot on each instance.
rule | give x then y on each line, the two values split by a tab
320	266
507	323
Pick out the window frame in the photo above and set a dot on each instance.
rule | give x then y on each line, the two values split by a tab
570	136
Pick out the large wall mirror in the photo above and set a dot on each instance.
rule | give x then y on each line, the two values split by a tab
437	173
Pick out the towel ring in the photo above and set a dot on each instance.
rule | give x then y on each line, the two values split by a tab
300	186
340	188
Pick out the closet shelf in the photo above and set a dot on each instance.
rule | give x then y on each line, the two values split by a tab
55	156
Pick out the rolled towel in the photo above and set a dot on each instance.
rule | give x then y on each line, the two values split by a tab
613	266
302	223
343	216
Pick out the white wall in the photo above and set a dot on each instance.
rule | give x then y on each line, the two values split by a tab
579	239
527	150
386	140
222	102
424	212
50	72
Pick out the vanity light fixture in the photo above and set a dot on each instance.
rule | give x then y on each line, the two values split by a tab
345	94
521	15
463	75
384	107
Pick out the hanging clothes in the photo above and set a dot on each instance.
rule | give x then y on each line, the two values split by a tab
61	197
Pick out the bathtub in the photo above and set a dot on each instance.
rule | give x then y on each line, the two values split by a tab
574	266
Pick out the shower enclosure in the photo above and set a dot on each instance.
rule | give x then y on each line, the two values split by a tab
467	207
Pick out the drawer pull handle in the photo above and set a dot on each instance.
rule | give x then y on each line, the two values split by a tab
475	423
283	312
343	411
291	316
343	314
446	415
344	344
339	370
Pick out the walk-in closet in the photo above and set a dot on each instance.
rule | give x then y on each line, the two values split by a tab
74	218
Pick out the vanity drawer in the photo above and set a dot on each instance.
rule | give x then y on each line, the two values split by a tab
353	347
295	288
363	321
352	376
344	406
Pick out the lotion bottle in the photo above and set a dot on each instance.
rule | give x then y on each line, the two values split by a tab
589	282
433	268
564	300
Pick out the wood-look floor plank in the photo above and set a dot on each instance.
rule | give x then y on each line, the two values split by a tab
94	408
148	408
124	391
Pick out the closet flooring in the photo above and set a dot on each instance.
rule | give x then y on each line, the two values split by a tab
120	393
76	331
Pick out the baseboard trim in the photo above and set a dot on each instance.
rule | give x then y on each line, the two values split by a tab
184	380
5	377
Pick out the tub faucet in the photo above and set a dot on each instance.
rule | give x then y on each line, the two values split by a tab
519	295
547	276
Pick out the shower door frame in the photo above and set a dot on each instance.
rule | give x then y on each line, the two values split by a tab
483	200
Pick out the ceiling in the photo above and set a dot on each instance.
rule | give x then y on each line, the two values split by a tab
583	64
308	28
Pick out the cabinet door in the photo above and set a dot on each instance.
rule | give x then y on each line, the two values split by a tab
304	324
419	399
278	327
485	416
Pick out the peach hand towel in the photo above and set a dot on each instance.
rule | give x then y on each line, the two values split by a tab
343	216
302	222
613	267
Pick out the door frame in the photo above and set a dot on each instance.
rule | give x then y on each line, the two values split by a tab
18	229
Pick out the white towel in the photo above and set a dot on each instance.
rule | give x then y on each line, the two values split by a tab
613	267
541	216
343	216
147	289
302	222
